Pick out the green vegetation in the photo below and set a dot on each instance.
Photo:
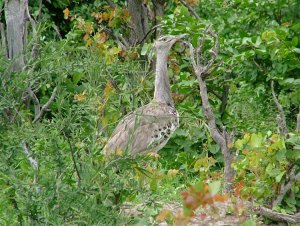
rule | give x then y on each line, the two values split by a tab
96	73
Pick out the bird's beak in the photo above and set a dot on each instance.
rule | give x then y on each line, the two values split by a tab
179	37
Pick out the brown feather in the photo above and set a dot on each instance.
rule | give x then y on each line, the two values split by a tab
141	131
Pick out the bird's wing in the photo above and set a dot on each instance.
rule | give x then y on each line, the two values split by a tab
142	130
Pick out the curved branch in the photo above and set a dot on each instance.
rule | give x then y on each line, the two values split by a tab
281	117
192	11
293	178
266	212
45	106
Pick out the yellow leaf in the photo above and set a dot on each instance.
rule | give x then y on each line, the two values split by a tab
100	37
119	152
192	2
230	145
115	50
125	15
172	172
86	37
162	216
66	13
108	88
88	28
80	97
105	16
154	155
89	42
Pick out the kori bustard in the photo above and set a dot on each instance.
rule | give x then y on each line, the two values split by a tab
149	127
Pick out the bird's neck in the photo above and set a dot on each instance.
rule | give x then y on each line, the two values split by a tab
162	91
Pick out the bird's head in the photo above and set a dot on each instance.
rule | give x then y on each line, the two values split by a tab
167	41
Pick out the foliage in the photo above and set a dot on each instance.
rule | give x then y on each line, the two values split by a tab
265	163
99	81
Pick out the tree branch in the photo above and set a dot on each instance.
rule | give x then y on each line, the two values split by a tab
45	106
73	158
266	212
36	102
293	178
223	139
192	11
33	162
281	117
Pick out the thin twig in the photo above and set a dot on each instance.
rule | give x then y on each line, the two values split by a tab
151	30
36	102
73	158
192	11
45	106
281	117
33	162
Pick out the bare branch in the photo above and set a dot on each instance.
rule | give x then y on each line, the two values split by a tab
221	138
121	41
33	162
192	57
266	212
192	11
56	29
151	30
45	106
281	117
36	102
293	178
73	158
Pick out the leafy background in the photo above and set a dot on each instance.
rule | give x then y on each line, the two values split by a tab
98	83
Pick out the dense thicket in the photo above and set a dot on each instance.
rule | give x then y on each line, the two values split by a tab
85	64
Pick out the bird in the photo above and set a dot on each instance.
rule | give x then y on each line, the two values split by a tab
148	128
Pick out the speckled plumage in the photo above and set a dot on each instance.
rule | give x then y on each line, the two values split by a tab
149	127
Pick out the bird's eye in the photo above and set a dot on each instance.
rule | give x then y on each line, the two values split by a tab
164	39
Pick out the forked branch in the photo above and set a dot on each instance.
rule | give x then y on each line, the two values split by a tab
201	69
39	113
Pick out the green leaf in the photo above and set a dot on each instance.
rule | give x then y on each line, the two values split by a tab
296	27
144	49
295	41
214	187
249	223
280	155
278	178
256	140
76	78
214	149
296	50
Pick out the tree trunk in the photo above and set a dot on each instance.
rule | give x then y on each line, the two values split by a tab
222	139
139	21
158	9
3	40
15	17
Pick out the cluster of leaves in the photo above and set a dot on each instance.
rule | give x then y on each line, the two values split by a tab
98	83
265	162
